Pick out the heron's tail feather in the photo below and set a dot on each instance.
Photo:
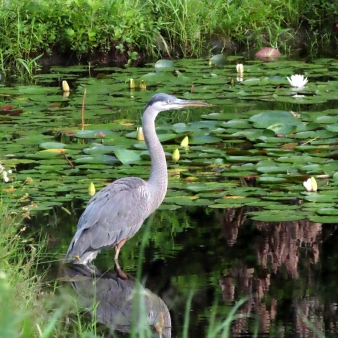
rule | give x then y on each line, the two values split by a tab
77	257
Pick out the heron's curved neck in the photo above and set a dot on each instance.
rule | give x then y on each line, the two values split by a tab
158	179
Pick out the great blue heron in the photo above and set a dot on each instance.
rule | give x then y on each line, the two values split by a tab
117	212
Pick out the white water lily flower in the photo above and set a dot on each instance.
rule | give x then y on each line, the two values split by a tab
310	184
297	81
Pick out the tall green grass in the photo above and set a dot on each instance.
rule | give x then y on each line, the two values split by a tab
29	305
20	281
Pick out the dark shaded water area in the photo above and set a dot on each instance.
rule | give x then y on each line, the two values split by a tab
237	221
287	270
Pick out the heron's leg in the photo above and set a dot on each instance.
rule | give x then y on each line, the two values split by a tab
120	273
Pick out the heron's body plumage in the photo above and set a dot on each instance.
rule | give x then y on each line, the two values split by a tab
117	212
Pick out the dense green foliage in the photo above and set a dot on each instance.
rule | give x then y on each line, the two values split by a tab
31	28
19	283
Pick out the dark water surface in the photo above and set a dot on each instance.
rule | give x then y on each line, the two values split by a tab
236	222
287	270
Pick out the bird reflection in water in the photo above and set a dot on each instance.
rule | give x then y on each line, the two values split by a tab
117	303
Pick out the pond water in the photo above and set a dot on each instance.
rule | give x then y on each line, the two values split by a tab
236	222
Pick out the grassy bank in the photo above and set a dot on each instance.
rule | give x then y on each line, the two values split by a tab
122	30
29	304
20	283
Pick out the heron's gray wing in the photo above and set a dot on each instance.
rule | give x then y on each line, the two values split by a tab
115	213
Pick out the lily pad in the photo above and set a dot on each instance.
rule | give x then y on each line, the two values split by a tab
127	156
104	159
52	145
278	216
268	119
98	133
164	65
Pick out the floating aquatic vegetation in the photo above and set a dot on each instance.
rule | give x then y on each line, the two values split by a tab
217	60
164	66
254	132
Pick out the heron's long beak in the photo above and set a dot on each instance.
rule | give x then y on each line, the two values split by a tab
189	103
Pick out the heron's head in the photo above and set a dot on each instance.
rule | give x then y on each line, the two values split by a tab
161	102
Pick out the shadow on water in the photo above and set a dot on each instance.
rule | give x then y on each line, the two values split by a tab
287	270
118	304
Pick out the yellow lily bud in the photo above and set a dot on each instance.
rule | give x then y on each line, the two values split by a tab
131	84
185	142
143	85
176	155
91	189
139	134
65	86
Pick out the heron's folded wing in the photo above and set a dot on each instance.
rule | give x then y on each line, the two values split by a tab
115	213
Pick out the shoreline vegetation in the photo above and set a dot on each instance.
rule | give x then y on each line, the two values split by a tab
35	32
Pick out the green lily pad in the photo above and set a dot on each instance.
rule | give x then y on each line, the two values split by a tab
236	124
98	133
327	211
323	219
217	60
104	159
164	65
236	200
282	129
273	169
278	215
52	145
267	119
332	127
315	197
46	154
127	156
203	139
231	205
254	134
271	179
98	148
326	119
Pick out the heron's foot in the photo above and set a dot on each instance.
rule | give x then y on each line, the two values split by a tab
121	274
